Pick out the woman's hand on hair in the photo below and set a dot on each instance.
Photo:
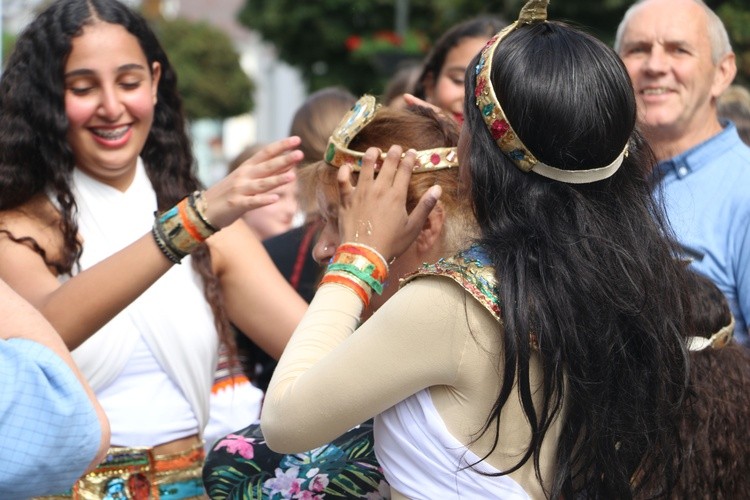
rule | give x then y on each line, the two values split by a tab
375	212
247	187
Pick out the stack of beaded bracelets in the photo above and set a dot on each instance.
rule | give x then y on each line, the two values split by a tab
180	230
358	267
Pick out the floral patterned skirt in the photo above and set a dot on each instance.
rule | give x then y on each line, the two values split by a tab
241	466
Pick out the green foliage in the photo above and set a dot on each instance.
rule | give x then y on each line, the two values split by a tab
8	42
737	21
313	35
210	78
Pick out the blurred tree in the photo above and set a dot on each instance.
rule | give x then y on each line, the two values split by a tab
210	78
736	16
9	41
313	36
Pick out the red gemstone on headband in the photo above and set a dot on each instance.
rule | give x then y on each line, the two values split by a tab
499	128
480	86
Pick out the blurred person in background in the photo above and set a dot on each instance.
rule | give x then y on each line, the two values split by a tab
734	105
273	219
680	60
441	81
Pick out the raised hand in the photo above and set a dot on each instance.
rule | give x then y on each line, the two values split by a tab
247	186
374	213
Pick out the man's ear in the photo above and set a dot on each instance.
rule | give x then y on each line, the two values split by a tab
725	73
430	233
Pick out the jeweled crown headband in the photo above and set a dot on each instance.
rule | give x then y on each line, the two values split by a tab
535	11
364	110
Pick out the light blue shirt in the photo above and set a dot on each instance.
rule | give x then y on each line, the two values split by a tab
49	430
707	198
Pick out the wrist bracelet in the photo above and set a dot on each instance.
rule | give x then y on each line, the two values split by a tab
360	268
181	229
200	205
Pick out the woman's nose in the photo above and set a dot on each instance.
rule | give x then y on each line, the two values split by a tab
324	248
110	106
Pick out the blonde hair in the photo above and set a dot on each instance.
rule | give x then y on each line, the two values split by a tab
418	128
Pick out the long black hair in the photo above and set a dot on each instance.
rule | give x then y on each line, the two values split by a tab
35	156
587	269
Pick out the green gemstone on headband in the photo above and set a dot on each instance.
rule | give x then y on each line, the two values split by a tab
330	152
487	110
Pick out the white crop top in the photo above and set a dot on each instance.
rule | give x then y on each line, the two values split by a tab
129	402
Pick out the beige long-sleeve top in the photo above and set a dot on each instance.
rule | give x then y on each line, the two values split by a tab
430	334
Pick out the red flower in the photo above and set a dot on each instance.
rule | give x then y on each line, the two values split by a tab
353	42
388	36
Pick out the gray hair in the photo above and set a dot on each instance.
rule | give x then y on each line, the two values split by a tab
717	32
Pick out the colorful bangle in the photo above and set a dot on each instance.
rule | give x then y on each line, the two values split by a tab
358	267
181	229
363	274
381	265
200	205
162	244
351	283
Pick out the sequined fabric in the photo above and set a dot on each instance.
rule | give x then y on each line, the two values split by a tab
139	474
472	270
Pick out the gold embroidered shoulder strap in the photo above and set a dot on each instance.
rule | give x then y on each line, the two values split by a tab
472	270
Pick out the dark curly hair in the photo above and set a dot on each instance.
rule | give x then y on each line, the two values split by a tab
589	269
714	428
35	156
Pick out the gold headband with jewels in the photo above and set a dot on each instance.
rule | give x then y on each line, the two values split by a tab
362	113
715	341
535	11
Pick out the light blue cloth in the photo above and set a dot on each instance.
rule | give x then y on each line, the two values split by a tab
49	430
707	197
